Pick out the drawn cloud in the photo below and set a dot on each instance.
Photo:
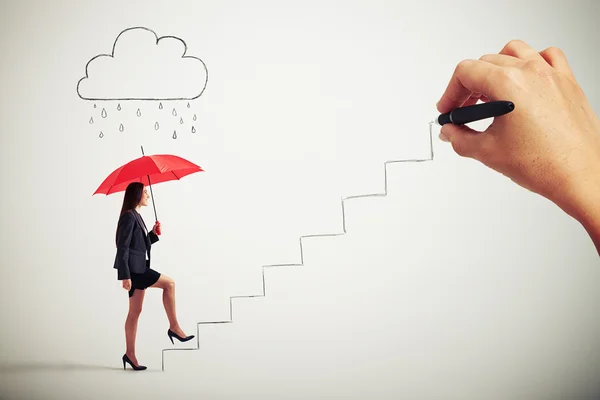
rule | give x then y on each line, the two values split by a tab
143	66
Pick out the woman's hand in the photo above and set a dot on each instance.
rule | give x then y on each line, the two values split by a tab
156	228
127	284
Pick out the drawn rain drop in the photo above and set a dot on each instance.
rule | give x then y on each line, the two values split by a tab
156	126
139	113
119	107
181	120
101	135
174	134
160	106
121	128
193	130
174	112
94	106
91	120
188	106
194	117
103	113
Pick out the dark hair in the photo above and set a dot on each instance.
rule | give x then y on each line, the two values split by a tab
132	197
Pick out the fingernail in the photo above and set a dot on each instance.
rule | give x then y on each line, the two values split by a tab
443	137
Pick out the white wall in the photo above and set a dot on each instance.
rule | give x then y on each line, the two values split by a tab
458	285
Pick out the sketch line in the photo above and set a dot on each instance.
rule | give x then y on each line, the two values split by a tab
148	98
264	291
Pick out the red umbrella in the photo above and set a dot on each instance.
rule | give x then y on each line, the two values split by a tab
147	169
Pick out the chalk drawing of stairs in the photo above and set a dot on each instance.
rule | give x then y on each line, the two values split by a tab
301	263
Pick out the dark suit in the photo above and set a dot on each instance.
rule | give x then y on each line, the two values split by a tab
133	243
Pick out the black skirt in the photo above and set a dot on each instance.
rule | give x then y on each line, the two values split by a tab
143	280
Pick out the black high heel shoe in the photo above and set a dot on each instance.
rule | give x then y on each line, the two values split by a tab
170	333
135	367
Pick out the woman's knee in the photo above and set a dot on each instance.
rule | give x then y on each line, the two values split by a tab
165	283
135	311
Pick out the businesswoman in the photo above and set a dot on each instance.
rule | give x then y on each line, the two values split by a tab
133	268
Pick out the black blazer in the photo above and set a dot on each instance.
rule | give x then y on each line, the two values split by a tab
133	243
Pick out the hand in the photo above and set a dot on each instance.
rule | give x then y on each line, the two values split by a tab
156	228
127	284
549	144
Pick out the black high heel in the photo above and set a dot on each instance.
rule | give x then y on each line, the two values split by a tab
170	333
135	367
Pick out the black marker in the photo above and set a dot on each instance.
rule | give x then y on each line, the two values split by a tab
476	112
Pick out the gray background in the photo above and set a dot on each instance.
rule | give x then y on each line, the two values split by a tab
458	285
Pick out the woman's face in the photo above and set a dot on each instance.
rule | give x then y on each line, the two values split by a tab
145	196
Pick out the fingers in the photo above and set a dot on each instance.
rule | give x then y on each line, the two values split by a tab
472	100
515	52
557	59
475	97
502	60
520	49
470	76
465	141
475	76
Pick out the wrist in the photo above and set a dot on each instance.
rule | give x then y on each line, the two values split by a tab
583	203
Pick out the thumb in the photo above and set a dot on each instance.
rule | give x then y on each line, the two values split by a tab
465	141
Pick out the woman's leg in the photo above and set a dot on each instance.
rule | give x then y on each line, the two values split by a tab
131	323
168	286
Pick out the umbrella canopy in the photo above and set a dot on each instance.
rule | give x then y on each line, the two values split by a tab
148	170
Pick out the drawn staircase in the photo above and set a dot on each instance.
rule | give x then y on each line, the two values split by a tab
263	294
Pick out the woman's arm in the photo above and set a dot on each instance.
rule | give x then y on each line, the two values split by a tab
124	232
153	237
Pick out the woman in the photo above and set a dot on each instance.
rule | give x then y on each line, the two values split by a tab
133	265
